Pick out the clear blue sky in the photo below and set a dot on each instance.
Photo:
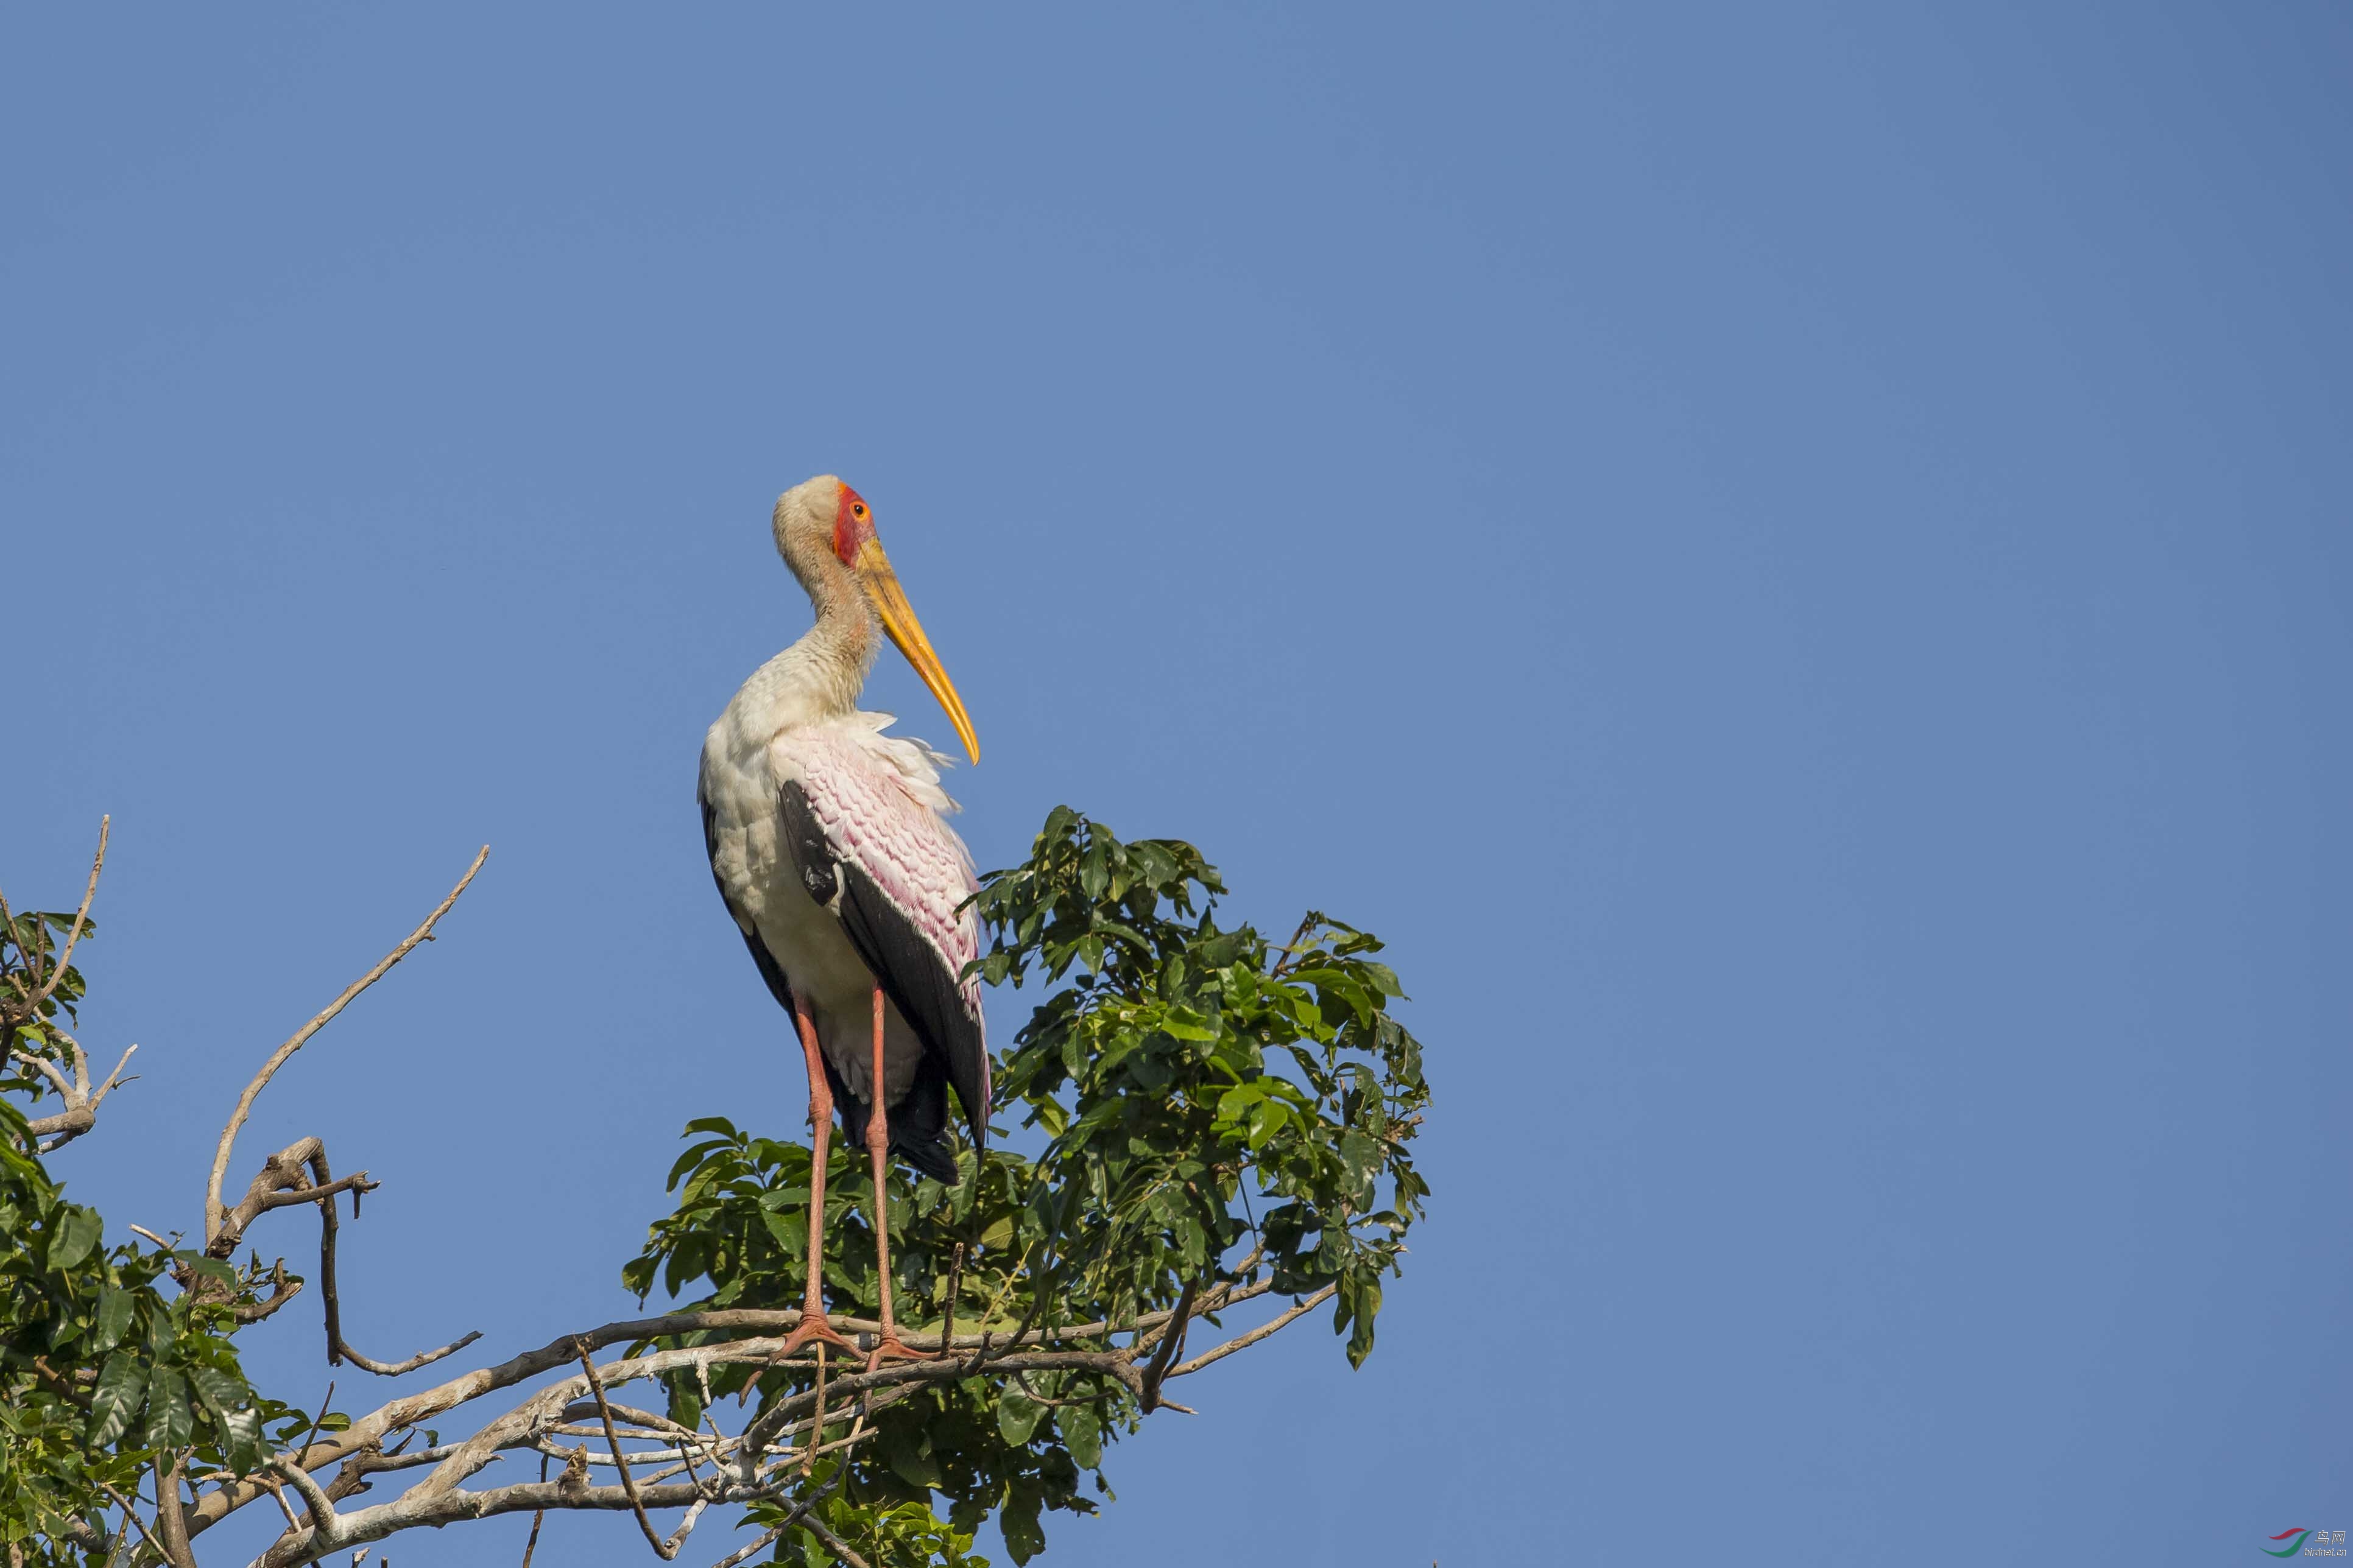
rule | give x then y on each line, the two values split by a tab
1794	564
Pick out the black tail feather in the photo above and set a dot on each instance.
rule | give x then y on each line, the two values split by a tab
918	1123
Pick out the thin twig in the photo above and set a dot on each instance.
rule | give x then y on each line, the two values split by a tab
213	1213
339	1350
439	1500
283	1287
325	1399
422	1358
833	1542
65	955
1307	922
537	1518
1241	1341
956	1279
816	1419
1167	1350
736	1558
132	1514
613	1439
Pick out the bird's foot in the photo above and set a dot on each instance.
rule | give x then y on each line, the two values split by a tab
812	1328
891	1347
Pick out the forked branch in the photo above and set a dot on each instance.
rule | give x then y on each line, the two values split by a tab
764	1462
215	1217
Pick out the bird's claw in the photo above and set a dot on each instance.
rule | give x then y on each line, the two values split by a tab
811	1329
891	1347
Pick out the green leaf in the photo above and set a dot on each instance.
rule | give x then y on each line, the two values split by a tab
1017	1416
690	1160
78	1231
223	1392
1367	1294
113	1316
170	1421
1019	1524
1082	1434
790	1231
116	1398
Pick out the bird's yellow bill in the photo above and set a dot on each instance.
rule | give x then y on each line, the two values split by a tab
899	620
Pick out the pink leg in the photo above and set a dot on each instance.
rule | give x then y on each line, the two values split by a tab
878	1147
813	1324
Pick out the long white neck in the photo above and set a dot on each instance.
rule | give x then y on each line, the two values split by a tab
821	676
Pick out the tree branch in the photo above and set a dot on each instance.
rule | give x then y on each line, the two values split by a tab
82	1101
58	965
215	1216
325	1522
1242	1341
172	1530
1149	1395
613	1440
47	1069
442	1497
284	1287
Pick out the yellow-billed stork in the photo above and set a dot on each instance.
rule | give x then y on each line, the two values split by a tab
830	844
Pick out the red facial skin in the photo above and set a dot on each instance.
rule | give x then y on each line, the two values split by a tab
853	525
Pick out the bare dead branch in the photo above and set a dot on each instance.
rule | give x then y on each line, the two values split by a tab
816	1412
317	1416
283	1183
742	1555
422	1358
129	1512
537	1519
47	1069
1181	1319
215	1216
1242	1341
634	1417
442	1498
410	1512
58	966
833	1542
284	1287
292	1195
613	1440
360	1446
956	1279
82	1102
326	1533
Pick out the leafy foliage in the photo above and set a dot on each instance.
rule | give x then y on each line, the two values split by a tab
1183	1075
1206	1107
33	992
102	1372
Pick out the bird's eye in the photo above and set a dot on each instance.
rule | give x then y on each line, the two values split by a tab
860	510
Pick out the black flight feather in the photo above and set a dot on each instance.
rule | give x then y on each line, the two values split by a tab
918	981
